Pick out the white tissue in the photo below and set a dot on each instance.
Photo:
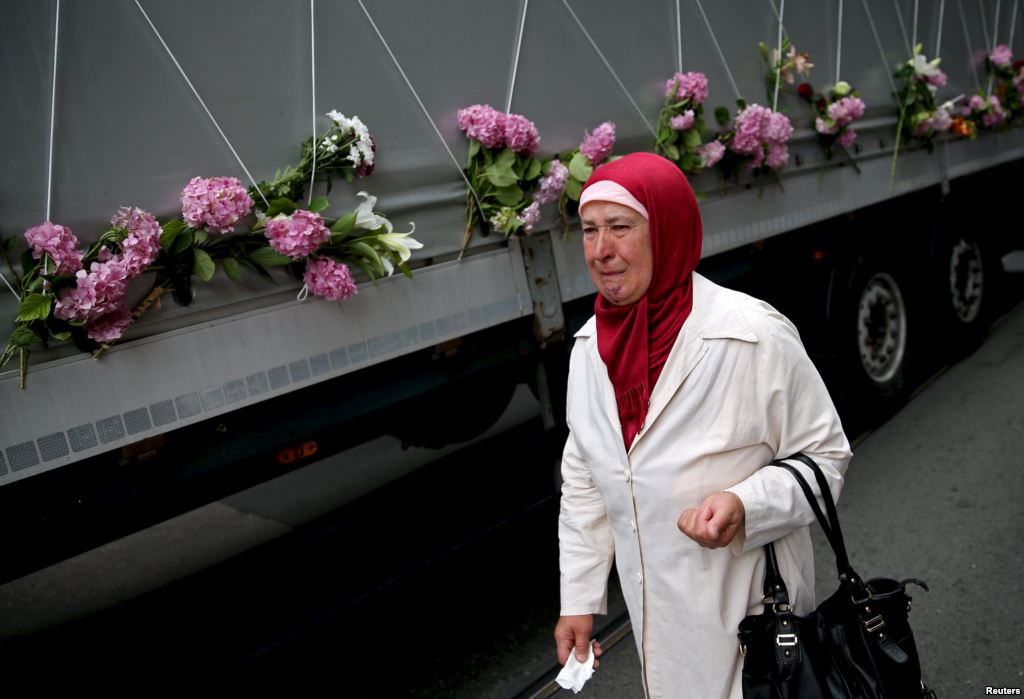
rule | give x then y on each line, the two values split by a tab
575	674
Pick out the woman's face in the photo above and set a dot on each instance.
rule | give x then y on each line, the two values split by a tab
617	248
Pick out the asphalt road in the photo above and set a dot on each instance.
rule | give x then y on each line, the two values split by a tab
937	492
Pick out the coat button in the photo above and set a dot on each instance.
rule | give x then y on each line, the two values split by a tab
632	524
625	475
639	578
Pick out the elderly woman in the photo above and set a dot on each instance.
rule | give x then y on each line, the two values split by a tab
679	391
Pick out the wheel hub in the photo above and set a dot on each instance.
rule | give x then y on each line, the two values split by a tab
881	328
966	280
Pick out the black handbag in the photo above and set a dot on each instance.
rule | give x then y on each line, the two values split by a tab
856	644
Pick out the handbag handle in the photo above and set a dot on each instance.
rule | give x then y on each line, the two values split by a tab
829	523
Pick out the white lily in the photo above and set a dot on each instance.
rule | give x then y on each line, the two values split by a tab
366	218
922	66
401	243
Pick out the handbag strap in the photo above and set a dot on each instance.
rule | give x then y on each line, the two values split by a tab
830	522
775	591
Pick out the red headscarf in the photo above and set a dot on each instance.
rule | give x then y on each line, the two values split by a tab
634	341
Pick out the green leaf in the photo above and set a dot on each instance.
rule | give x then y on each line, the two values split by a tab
35	307
474	148
345	224
763	49
580	168
183	241
231	269
203	266
23	336
505	159
403	267
573	189
691	138
721	116
532	169
499	177
741	103
510	195
269	257
281	206
318	204
671	152
688	163
371	256
171	230
61	336
664	133
199	237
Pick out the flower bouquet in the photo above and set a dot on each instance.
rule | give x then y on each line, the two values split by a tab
680	123
836	109
564	183
756	142
501	168
1007	78
920	118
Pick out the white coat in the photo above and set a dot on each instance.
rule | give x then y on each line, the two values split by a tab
737	391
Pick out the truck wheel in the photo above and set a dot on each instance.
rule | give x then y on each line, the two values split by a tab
881	334
968	282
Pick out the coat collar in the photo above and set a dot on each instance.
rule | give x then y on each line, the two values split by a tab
714	316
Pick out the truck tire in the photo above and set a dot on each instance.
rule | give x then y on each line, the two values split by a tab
879	332
968	280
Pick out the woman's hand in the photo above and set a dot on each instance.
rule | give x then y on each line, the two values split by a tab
715	523
574	632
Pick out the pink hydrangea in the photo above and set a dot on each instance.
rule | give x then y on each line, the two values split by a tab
711	153
778	156
598	144
141	246
750	125
688	86
110	326
530	216
216	203
96	293
845	110
846	138
297	235
521	134
684	121
778	129
329	279
1001	56
483	123
59	243
553	184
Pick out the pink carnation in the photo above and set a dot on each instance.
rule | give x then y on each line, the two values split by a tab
1001	56
941	120
521	134
59	243
483	123
683	121
297	235
217	203
995	114
553	184
938	79
96	293
688	86
711	153
847	137
824	127
530	216
598	144
329	279
848	109
977	102
110	326
142	244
